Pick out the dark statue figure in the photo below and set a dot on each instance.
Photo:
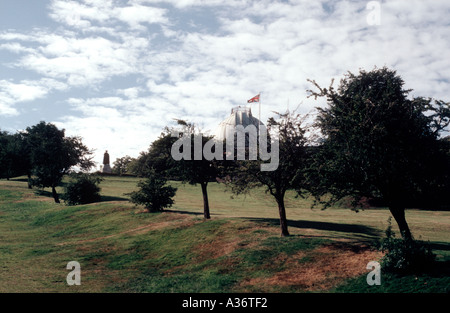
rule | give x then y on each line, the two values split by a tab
106	158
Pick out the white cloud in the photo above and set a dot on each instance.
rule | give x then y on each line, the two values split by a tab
136	15
84	61
15	47
84	14
182	4
26	91
132	92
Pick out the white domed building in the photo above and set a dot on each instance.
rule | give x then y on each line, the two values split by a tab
239	116
241	129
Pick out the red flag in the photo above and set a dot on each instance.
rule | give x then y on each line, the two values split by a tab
254	99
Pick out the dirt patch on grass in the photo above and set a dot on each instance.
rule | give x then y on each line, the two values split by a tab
183	223
232	239
29	196
215	249
320	269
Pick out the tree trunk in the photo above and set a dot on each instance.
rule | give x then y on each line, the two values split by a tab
205	201
29	181
55	195
399	215
282	212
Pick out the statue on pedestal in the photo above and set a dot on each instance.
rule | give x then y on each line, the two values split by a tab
106	167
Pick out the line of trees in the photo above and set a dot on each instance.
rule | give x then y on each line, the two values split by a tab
44	154
374	144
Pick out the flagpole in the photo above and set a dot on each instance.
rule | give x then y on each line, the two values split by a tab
259	102
259	117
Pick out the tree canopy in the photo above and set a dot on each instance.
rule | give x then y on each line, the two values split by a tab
52	155
14	155
122	166
193	167
288	133
159	160
378	143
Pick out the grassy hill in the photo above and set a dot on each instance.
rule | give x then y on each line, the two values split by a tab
121	248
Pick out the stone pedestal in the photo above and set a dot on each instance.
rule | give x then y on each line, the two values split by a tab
106	169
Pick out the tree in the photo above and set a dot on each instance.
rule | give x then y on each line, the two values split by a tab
135	165
289	175
82	189
21	156
53	155
187	168
159	157
378	143
14	156
5	158
157	166
154	193
193	167
121	165
138	166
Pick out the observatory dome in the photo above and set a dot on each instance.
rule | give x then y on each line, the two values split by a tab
239	116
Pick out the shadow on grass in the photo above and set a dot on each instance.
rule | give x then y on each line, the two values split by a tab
112	198
21	179
441	269
440	246
48	194
184	212
326	226
44	193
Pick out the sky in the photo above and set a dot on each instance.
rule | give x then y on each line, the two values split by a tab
116	72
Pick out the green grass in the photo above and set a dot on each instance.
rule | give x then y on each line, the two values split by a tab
173	264
121	248
390	283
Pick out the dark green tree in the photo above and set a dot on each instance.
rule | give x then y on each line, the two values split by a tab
53	155
5	157
190	169
157	158
138	166
14	156
82	188
289	130
121	165
21	156
194	168
378	143
154	193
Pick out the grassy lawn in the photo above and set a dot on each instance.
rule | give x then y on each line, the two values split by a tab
121	248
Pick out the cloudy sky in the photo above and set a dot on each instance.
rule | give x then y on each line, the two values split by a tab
115	72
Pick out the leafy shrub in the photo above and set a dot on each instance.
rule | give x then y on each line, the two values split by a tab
153	193
405	256
82	189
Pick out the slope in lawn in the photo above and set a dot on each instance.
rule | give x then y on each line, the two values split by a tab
123	249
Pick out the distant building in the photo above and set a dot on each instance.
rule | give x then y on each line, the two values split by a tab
239	116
